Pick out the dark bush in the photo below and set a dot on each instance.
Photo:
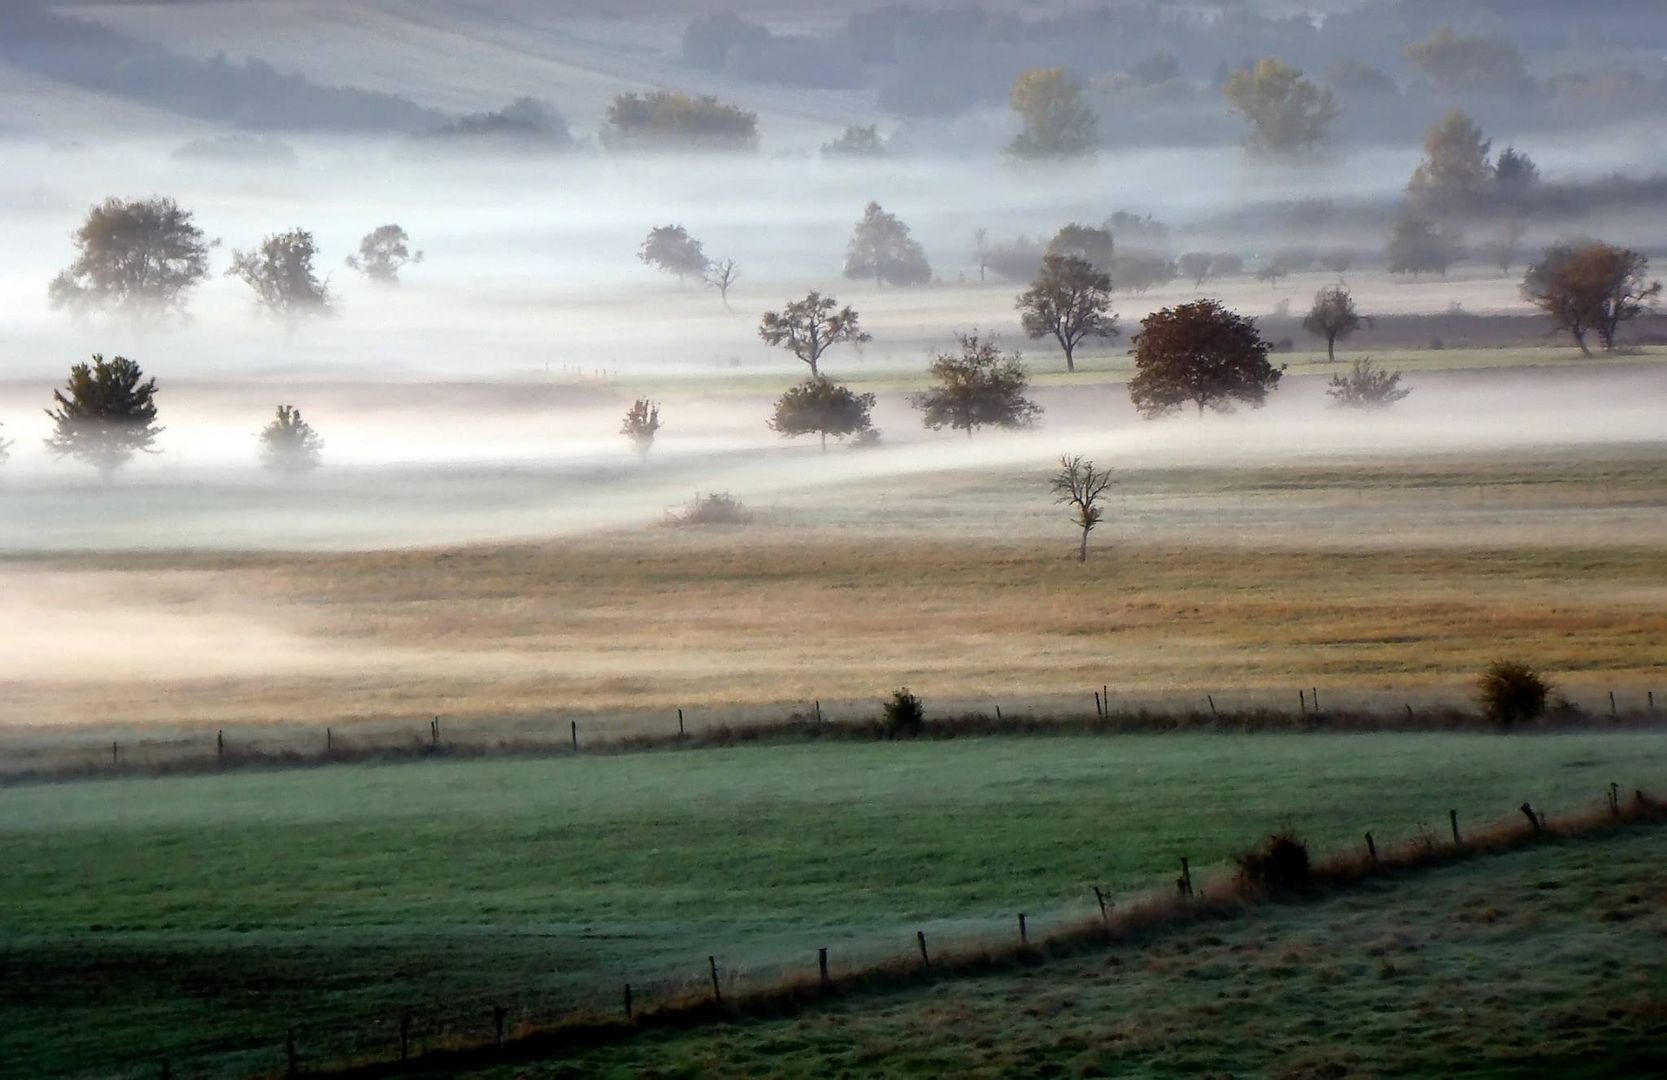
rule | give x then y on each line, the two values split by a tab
1512	693
717	508
905	716
1280	864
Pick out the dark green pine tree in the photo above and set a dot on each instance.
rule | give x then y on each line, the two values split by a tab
104	415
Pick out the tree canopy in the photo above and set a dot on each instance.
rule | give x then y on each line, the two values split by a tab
383	253
1092	245
1200	353
982	385
1288	114
1057	122
1069	301
1333	317
282	276
882	249
1586	286
1418	246
105	414
670	119
139	259
641	424
1455	171
808	328
822	407
670	248
288	444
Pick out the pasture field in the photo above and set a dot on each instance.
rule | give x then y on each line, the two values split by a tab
200	918
1541	962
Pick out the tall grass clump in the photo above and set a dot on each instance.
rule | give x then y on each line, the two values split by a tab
1512	693
1280	864
716	508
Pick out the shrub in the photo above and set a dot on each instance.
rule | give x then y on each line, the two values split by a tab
904	715
716	508
1280	864
1512	693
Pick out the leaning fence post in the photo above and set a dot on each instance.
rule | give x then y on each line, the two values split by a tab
1614	800
920	939
1024	935
1183	884
822	966
1100	897
680	732
998	714
499	1014
1211	699
818	710
1371	850
1533	818
628	1014
717	993
1453	819
1099	709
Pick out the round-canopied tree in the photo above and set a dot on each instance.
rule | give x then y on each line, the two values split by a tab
289	444
1287	113
1057	122
822	407
281	273
670	248
1586	286
641	424
1332	317
881	248
383	253
1070	301
105	414
1200	353
140	260
808	328
982	385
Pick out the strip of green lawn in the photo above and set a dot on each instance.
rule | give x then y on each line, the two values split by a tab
144	916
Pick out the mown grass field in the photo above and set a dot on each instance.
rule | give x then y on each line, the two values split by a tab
189	917
1544	962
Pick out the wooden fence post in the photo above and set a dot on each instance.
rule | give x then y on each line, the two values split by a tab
822	966
1105	696
329	740
434	733
1099	709
1302	702
628	1013
1651	694
1316	695
499	1014
1533	818
1211	699
1100	898
818	710
404	1036
220	746
1024	935
1614	800
292	1059
574	726
1183	884
998	714
1613	711
680	732
1453	820
115	754
717	993
920	939
1371	850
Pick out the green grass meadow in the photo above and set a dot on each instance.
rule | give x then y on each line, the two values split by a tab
185	917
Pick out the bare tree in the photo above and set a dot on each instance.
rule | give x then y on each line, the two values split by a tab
808	328
1502	249
1069	300
642	423
1079	485
1195	265
722	276
981	250
1332	317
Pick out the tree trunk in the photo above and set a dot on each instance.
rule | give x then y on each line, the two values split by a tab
1580	339
1082	552
1070	361
815	374
1331	348
824	442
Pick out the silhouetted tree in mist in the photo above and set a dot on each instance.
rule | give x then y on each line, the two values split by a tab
670	248
1057	122
1455	172
810	327
1417	245
1366	387
383	253
139	260
1333	317
981	385
1092	245
822	407
105	414
722	274
1195	266
882	249
288	444
1502	248
1081	486
1069	301
641	424
856	142
1287	113
1200	353
1586	286
282	276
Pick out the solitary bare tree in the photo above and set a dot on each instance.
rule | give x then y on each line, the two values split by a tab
722	276
1080	486
808	328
